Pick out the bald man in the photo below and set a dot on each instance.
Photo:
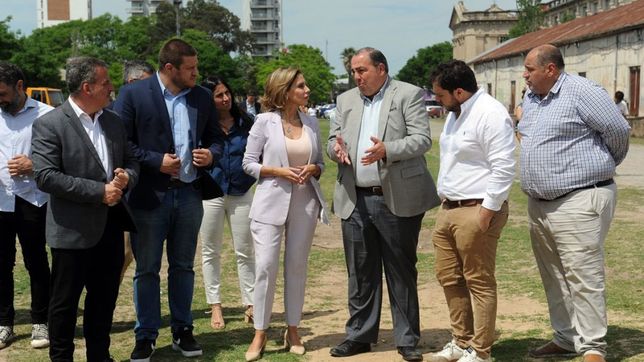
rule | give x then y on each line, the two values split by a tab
573	137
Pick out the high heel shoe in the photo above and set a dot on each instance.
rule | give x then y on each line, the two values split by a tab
255	355
248	315
299	349
217	317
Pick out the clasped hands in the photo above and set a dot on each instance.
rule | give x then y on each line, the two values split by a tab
298	174
114	189
372	154
171	163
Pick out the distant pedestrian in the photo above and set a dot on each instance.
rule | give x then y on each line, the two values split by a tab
621	104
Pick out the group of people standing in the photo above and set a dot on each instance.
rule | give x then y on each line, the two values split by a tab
170	161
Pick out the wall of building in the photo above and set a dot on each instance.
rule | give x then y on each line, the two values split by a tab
52	12
605	60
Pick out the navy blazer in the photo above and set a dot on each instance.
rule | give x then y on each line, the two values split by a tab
142	108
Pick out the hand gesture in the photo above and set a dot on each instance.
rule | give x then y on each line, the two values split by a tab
374	153
112	195
201	157
121	179
20	165
340	149
306	171
170	164
292	174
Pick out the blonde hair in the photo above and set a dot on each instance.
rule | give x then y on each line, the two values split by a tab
277	86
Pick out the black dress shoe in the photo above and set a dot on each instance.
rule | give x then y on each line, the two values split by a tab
410	354
350	348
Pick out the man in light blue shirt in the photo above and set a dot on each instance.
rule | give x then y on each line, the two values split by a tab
22	207
573	137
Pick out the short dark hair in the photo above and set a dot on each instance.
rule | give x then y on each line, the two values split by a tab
134	69
81	70
375	56
173	52
619	95
213	81
454	74
549	53
10	74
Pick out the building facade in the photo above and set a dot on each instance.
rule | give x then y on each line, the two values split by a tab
560	11
147	7
263	18
52	12
607	47
475	32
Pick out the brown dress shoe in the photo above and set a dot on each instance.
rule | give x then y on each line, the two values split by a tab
594	358
549	350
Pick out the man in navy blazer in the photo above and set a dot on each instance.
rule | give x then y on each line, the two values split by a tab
172	129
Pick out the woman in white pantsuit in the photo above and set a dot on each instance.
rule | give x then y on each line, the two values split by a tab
284	153
234	205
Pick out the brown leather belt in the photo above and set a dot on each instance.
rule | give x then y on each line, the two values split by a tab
449	204
373	190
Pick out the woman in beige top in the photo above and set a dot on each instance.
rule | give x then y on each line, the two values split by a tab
285	155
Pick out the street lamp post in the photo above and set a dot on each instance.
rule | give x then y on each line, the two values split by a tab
177	6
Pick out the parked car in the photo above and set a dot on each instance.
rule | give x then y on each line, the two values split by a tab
325	109
52	96
434	109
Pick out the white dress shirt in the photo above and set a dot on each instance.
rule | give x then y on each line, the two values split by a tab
367	176
15	139
477	153
96	136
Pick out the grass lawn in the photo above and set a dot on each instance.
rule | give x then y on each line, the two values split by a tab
516	272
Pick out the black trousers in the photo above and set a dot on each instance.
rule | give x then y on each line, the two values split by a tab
98	270
375	238
28	223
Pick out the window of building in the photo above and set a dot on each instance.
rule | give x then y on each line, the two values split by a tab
582	74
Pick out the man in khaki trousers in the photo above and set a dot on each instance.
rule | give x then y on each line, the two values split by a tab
474	180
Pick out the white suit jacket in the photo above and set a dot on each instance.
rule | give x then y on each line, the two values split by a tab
266	147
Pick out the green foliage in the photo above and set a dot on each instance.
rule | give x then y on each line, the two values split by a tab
317	71
222	26
212	59
346	56
530	18
8	41
417	69
567	17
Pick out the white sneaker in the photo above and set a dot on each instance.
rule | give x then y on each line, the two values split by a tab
451	352
39	336
6	336
469	355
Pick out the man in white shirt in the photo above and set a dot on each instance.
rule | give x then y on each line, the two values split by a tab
621	104
22	207
476	173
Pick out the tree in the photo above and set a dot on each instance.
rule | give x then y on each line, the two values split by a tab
316	70
208	16
346	56
418	68
212	59
8	41
530	18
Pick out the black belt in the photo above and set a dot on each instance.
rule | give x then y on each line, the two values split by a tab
175	183
373	190
449	204
610	181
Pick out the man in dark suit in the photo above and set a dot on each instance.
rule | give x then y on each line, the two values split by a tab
82	159
378	138
250	105
173	129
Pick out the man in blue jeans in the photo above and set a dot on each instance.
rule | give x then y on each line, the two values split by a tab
172	127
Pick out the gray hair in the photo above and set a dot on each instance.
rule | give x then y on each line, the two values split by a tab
135	69
81	70
375	56
549	53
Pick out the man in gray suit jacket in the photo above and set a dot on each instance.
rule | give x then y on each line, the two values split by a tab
379	138
82	159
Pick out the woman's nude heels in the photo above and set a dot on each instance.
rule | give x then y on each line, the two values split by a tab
248	315
217	317
300	350
255	355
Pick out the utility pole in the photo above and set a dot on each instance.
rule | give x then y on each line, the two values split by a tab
177	7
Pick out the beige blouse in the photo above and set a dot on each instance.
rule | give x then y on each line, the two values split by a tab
299	150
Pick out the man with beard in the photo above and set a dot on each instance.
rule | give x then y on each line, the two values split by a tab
22	207
474	181
173	128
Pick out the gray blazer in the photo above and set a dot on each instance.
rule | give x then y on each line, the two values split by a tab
407	185
67	166
266	146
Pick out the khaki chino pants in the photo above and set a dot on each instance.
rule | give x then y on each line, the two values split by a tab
465	266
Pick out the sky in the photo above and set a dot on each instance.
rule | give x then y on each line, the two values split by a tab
397	27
